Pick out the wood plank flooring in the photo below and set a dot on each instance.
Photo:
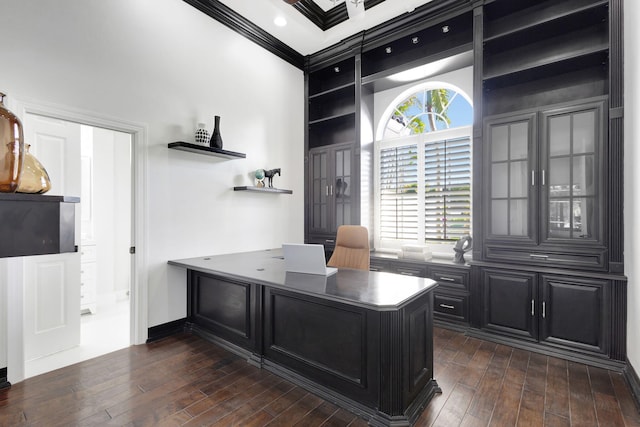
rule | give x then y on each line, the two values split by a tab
186	381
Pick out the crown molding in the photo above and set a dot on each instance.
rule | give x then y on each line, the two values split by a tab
248	29
330	18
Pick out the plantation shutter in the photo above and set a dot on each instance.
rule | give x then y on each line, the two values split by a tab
447	189
398	193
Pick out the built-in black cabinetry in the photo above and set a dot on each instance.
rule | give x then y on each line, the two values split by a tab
548	234
331	179
565	314
450	298
543	52
446	37
332	159
544	181
332	104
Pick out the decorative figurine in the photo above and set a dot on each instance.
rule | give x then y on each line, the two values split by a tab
202	135
270	173
260	177
462	245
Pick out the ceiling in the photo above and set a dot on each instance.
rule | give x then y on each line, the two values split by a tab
303	32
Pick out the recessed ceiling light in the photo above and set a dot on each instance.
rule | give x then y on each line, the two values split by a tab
280	21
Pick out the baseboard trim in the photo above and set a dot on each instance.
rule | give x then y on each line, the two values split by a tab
631	376
599	362
158	332
3	379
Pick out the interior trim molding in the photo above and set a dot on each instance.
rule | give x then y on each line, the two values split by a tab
164	330
248	29
332	17
634	382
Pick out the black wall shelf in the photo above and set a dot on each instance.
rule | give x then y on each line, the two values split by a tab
208	151
262	189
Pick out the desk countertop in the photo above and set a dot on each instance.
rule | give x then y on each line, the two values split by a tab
370	289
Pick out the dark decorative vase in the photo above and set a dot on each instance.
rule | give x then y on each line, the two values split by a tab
216	138
11	149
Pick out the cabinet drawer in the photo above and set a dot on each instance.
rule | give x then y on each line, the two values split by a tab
451	279
375	265
450	307
409	270
589	260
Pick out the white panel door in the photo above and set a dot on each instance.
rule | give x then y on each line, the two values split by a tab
52	282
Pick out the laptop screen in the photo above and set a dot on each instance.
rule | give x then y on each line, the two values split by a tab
306	258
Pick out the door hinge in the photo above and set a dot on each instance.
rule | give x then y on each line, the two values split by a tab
132	250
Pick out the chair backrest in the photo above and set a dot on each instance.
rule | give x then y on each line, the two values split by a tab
352	248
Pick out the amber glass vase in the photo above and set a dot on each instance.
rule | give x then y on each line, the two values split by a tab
11	149
34	177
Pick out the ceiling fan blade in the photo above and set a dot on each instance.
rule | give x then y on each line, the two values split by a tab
291	1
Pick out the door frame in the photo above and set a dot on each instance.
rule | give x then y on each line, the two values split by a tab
139	283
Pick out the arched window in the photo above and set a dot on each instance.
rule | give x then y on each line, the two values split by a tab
423	167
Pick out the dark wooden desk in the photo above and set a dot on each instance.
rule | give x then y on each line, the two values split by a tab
361	339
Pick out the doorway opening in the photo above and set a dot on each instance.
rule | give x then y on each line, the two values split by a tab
97	165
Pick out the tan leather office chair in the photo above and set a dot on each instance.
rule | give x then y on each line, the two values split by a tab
352	248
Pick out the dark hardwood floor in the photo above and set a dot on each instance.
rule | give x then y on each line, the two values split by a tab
184	380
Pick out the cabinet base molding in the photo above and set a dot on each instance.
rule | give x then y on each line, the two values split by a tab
251	358
158	332
634	383
373	417
599	362
446	324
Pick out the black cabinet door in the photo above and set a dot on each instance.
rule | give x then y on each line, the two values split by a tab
509	302
510	213
332	184
571	181
574	313
543	175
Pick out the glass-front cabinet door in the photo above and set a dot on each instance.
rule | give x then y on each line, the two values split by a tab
330	179
571	190
511	177
319	206
342	188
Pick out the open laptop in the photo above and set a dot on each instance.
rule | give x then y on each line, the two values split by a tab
306	258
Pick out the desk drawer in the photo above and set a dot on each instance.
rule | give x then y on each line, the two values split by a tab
450	307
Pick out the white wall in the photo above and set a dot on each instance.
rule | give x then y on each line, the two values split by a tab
632	176
166	65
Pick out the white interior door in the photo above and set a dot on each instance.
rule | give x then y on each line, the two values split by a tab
52	282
